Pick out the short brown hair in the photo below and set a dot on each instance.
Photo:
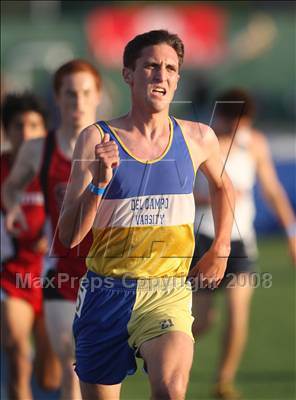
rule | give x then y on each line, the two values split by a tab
133	49
72	67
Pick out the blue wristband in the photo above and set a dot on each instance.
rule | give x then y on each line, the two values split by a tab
96	190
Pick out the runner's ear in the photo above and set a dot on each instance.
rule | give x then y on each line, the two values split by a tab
127	74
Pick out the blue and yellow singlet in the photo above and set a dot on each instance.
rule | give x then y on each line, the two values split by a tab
144	224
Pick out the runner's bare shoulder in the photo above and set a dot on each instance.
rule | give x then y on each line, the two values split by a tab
196	131
87	140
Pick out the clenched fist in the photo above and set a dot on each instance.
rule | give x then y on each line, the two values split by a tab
107	157
15	221
210	269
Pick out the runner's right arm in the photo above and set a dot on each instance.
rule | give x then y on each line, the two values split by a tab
93	160
25	168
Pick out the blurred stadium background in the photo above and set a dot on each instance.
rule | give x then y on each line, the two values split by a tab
230	43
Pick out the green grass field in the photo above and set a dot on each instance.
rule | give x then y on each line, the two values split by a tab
268	366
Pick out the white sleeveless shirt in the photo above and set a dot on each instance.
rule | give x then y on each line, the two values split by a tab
241	168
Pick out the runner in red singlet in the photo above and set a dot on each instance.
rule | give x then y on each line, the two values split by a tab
22	251
77	87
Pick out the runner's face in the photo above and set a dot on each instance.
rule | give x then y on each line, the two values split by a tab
78	99
25	126
155	77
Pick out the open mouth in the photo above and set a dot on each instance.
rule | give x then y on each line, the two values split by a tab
159	90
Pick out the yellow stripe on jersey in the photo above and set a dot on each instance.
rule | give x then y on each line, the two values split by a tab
100	130
142	252
139	159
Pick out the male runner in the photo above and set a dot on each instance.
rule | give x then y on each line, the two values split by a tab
77	86
247	156
132	182
24	118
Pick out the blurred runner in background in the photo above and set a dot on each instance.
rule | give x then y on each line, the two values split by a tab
77	86
22	251
246	156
